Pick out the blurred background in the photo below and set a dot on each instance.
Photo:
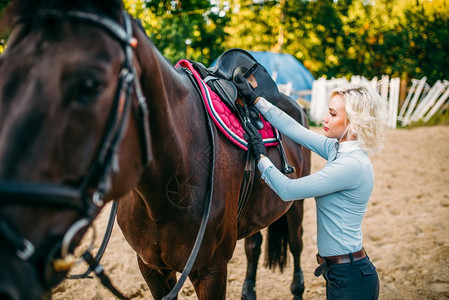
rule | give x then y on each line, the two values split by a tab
401	48
329	39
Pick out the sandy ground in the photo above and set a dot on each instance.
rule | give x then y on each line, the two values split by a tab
406	232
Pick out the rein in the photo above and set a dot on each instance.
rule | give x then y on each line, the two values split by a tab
199	238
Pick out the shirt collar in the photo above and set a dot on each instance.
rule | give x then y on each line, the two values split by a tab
349	146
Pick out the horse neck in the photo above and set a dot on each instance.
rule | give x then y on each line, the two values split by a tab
173	109
164	90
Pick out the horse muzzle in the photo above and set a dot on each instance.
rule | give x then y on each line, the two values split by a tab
18	279
31	270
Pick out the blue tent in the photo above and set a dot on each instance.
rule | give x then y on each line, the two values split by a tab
287	69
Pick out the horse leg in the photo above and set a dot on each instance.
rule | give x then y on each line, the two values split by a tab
211	285
159	282
294	219
253	244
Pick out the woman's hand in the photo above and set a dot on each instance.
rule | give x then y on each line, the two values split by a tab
255	143
245	90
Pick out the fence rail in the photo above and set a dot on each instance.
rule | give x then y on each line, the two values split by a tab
421	103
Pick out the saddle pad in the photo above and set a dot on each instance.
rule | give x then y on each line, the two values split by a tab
226	121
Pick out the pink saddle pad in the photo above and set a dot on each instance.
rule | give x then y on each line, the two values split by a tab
226	120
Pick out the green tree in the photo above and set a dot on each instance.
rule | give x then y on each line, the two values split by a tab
4	32
254	26
314	33
426	39
3	5
190	29
406	38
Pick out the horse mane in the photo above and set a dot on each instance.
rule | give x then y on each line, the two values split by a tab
29	8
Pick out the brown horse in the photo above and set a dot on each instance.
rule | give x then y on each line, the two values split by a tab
74	133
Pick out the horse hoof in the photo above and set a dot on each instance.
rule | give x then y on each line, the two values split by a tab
249	290
297	287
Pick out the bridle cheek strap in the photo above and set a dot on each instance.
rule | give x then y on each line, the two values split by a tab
24	249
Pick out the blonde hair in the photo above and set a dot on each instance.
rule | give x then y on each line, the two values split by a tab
366	112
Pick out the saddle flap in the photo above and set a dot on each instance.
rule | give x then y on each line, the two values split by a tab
225	89
237	60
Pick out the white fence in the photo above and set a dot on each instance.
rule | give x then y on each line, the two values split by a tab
422	101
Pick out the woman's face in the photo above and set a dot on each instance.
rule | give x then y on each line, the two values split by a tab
335	121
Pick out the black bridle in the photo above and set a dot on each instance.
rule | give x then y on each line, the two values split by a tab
87	198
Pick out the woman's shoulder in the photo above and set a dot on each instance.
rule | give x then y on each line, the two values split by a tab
356	165
353	162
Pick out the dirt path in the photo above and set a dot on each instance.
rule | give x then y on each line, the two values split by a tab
406	232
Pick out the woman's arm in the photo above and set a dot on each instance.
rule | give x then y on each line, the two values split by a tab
318	143
337	176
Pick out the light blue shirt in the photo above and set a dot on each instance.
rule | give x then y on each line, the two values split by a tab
341	189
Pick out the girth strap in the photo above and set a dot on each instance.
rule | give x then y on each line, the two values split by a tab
247	182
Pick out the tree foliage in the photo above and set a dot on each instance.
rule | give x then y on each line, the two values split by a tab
407	38
183	29
3	4
259	34
3	31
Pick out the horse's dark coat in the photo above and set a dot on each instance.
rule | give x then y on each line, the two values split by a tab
51	124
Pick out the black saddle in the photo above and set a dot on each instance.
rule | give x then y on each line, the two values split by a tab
220	77
236	61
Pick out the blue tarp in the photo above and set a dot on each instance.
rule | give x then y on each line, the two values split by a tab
287	68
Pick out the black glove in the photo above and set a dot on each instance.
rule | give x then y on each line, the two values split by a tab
245	89
255	143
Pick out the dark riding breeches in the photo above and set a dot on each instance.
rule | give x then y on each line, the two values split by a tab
355	280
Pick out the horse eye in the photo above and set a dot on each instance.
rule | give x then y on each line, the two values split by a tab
88	90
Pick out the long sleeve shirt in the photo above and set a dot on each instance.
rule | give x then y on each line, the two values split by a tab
341	189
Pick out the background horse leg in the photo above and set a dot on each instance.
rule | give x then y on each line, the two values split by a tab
160	283
253	244
295	230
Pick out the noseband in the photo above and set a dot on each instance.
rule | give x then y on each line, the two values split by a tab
87	198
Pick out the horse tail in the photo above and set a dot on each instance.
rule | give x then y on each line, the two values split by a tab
277	244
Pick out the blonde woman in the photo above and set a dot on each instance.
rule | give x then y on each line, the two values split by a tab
353	128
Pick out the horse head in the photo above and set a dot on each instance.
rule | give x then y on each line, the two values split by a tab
71	115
